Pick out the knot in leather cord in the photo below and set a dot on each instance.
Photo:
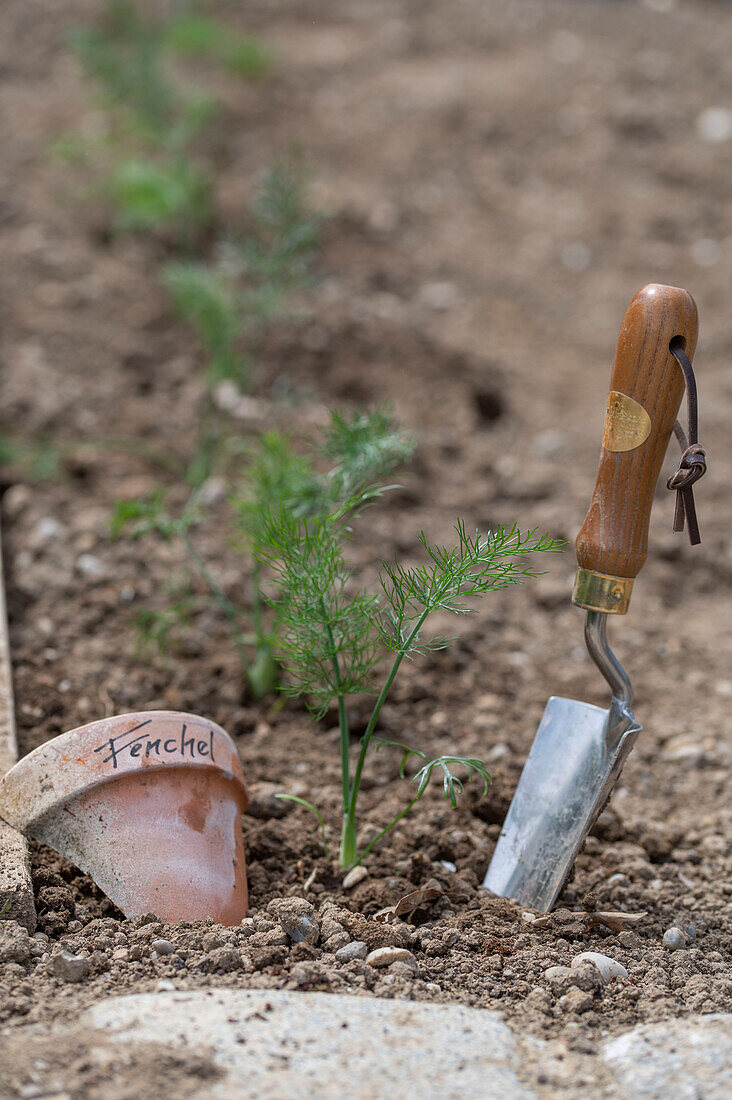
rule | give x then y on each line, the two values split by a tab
692	466
693	461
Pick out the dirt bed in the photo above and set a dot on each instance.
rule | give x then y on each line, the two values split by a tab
498	181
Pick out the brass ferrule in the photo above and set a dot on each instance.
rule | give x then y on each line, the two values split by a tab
599	592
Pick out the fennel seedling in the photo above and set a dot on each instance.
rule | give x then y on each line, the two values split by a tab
331	636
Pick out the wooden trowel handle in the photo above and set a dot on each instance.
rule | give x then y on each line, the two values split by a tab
645	393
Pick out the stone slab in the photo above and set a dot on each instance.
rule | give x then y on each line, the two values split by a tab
277	1044
15	880
675	1060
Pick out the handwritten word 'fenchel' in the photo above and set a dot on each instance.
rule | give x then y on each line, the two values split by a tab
144	745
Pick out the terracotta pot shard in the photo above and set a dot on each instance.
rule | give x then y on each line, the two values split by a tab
148	804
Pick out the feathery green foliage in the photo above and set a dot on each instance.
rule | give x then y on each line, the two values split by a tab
148	195
279	249
197	36
354	451
331	635
155	117
207	301
324	632
248	283
126	56
123	56
357	450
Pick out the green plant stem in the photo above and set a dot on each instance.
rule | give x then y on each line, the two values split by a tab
373	720
342	715
388	829
348	851
220	596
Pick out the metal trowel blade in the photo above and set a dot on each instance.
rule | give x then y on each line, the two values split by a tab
577	755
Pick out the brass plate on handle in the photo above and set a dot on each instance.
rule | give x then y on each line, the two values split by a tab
627	424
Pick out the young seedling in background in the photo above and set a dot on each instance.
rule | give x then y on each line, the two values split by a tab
191	35
208	302
155	184
170	194
231	301
331	636
355	451
123	56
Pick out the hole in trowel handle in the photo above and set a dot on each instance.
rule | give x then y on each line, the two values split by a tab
677	343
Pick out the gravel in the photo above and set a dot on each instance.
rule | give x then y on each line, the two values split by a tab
674	939
296	917
385	956
356	949
70	968
607	967
163	947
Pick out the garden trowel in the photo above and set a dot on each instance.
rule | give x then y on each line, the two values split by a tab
579	749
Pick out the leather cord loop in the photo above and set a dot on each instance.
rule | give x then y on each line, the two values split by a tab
693	461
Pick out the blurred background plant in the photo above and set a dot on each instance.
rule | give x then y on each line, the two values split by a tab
354	452
251	277
226	282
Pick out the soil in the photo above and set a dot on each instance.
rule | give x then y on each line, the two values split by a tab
498	181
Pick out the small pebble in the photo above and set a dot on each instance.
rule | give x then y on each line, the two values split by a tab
163	947
385	956
296	919
31	1092
165	986
90	565
674	939
608	967
70	968
357	949
49	528
557	972
303	931
714	124
354	876
226	396
448	865
213	490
